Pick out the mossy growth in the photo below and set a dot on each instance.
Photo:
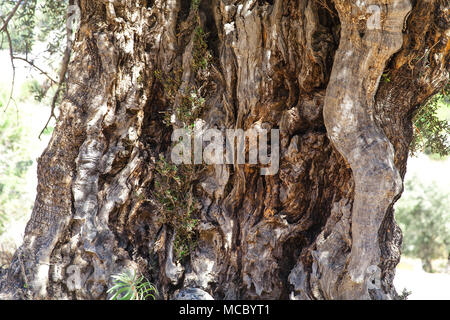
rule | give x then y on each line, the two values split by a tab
201	57
189	104
173	191
195	4
190	108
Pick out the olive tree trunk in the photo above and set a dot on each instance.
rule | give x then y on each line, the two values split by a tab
340	79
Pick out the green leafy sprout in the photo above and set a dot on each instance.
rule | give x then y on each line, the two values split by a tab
129	286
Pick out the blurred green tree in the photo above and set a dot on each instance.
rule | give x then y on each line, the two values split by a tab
424	217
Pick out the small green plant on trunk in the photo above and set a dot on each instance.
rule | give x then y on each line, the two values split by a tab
130	286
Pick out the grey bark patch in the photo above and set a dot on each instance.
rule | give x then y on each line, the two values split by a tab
193	294
258	237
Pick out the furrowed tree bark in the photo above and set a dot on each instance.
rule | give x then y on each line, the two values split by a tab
312	69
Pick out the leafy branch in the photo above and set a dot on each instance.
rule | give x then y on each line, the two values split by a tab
430	132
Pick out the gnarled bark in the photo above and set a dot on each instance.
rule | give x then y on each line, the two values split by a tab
309	68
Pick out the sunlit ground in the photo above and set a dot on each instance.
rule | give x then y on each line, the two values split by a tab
33	115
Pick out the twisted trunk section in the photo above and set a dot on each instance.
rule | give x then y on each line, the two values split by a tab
321	228
348	115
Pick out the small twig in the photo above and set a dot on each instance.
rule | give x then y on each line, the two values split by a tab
427	51
324	5
36	67
11	14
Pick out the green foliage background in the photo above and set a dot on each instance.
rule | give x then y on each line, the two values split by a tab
423	211
15	161
424	216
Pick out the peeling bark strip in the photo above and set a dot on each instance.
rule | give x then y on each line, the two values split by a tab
322	228
348	113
